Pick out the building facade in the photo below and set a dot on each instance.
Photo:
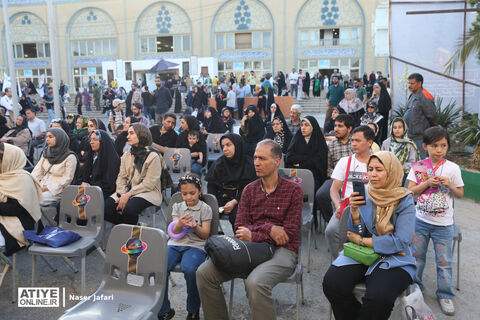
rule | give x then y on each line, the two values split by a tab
259	35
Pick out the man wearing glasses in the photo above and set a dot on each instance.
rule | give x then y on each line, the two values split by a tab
294	121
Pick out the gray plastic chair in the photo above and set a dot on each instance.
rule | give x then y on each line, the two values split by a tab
214	148
177	170
307	182
91	233
142	300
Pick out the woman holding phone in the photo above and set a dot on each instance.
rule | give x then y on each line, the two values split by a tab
383	220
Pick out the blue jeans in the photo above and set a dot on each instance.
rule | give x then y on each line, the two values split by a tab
442	237
190	259
196	168
419	144
51	115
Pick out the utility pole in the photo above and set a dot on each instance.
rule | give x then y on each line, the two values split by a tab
53	59
11	64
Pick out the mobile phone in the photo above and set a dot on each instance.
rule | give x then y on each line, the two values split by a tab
359	186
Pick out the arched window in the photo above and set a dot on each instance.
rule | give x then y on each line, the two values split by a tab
247	43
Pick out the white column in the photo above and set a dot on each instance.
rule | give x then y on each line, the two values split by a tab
53	59
11	64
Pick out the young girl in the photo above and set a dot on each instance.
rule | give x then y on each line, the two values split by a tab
196	152
196	215
437	224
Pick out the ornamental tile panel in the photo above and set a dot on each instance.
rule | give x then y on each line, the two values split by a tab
325	13
26	27
92	23
164	18
239	15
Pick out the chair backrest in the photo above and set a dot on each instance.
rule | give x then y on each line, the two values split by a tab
208	199
304	177
82	203
178	160
213	143
342	229
141	251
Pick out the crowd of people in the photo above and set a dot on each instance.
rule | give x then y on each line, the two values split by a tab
124	157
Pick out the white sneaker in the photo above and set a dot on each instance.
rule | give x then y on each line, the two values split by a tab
447	306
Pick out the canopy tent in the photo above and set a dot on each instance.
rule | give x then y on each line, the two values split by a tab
161	65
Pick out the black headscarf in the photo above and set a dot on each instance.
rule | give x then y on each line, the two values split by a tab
278	114
330	125
3	126
182	139
21	127
312	156
214	124
104	171
255	127
306	83
237	170
283	138
58	153
140	151
384	103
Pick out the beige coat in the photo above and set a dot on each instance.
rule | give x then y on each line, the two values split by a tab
22	140
59	176
146	184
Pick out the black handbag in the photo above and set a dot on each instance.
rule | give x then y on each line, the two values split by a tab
237	257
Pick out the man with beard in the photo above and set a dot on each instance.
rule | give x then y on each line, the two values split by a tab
164	136
138	115
335	94
337	149
162	100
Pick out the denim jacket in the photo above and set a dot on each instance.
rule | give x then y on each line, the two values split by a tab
388	245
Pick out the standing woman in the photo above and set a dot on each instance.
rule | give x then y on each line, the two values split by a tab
20	135
57	166
308	150
20	196
280	82
279	132
252	129
306	85
101	163
384	104
190	123
138	183
317	85
229	174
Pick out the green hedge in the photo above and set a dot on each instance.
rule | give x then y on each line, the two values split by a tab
471	179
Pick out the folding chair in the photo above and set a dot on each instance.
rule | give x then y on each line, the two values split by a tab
178	161
305	178
457	238
214	148
134	276
77	203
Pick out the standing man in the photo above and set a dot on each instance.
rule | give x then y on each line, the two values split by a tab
362	140
421	111
97	95
252	82
78	101
360	90
7	102
270	210
162	100
164	136
294	121
337	149
335	94
231	96
241	93
293	78
48	101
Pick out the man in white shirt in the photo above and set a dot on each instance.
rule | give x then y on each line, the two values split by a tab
7	102
231	99
38	129
293	77
361	140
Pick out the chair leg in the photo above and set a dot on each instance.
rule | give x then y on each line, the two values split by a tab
82	275
153	217
298	301
48	264
34	266
230	303
99	249
309	245
303	296
14	277
69	263
458	266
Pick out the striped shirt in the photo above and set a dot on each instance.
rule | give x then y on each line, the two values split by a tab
336	151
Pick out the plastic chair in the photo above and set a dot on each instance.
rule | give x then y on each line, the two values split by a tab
457	238
177	167
141	300
305	178
13	264
70	210
214	148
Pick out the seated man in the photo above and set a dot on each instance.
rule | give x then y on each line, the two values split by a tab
270	210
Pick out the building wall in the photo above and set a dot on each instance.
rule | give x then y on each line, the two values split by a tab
281	15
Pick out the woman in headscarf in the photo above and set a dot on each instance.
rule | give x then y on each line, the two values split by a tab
401	145
101	163
330	125
278	131
229	174
138	183
384	221
308	150
86	99
20	196
20	135
63	124
352	105
275	112
121	144
280	82
262	100
3	126
81	128
317	84
227	119
384	104
190	123
212	122
56	168
252	129
92	124
306	85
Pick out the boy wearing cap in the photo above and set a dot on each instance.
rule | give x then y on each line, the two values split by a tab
116	117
